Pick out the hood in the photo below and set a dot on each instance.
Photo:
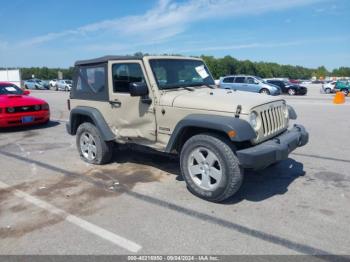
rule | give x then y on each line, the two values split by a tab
296	86
19	100
215	99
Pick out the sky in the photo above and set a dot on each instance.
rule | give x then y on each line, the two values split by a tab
52	33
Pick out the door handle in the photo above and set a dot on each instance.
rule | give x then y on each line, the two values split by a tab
115	102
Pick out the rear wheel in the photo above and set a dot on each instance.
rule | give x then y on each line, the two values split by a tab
327	90
291	92
264	91
210	167
345	91
92	148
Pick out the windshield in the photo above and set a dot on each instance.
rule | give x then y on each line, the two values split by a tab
10	89
260	79
175	73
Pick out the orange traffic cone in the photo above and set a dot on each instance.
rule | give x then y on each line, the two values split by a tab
339	98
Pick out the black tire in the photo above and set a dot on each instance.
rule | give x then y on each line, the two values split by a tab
291	91
345	91
327	90
232	173
264	91
104	149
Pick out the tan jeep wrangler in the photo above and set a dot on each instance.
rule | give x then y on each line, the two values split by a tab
172	105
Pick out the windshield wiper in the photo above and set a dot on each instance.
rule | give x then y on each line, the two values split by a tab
207	85
189	88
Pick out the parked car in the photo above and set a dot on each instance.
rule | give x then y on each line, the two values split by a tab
329	87
45	83
215	132
249	83
64	85
342	86
306	82
288	87
17	108
294	81
53	83
34	84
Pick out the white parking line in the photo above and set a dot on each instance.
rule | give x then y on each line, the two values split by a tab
98	231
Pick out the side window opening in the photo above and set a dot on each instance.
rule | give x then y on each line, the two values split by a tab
228	80
250	80
124	74
90	83
239	79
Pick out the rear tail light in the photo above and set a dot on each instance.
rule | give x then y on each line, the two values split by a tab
45	107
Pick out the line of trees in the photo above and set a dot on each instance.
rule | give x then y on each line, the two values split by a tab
230	66
44	73
219	67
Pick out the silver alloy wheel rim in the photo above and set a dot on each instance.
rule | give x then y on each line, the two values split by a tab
88	146
265	92
204	168
291	92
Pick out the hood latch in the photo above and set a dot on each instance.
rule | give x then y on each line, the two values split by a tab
238	111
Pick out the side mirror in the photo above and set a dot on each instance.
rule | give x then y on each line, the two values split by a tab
26	92
138	89
256	82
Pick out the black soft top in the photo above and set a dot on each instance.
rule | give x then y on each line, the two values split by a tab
105	59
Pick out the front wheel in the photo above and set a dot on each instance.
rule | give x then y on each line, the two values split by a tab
92	148
264	91
327	90
345	92
291	92
210	167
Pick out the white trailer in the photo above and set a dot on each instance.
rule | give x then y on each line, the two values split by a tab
11	75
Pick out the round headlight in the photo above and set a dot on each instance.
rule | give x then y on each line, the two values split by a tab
253	119
10	109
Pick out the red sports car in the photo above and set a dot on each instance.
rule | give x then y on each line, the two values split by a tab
19	109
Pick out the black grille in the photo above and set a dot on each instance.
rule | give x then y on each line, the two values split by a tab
19	109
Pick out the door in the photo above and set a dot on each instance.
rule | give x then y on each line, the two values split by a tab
132	117
251	84
239	83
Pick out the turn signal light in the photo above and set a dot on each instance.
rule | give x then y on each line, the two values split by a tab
231	133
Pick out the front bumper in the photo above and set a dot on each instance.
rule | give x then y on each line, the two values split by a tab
274	150
302	91
14	120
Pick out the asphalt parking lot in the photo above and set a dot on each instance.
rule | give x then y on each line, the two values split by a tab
51	202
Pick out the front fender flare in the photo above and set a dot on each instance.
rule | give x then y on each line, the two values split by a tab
244	131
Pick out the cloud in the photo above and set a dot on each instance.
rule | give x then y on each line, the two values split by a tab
168	19
243	46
